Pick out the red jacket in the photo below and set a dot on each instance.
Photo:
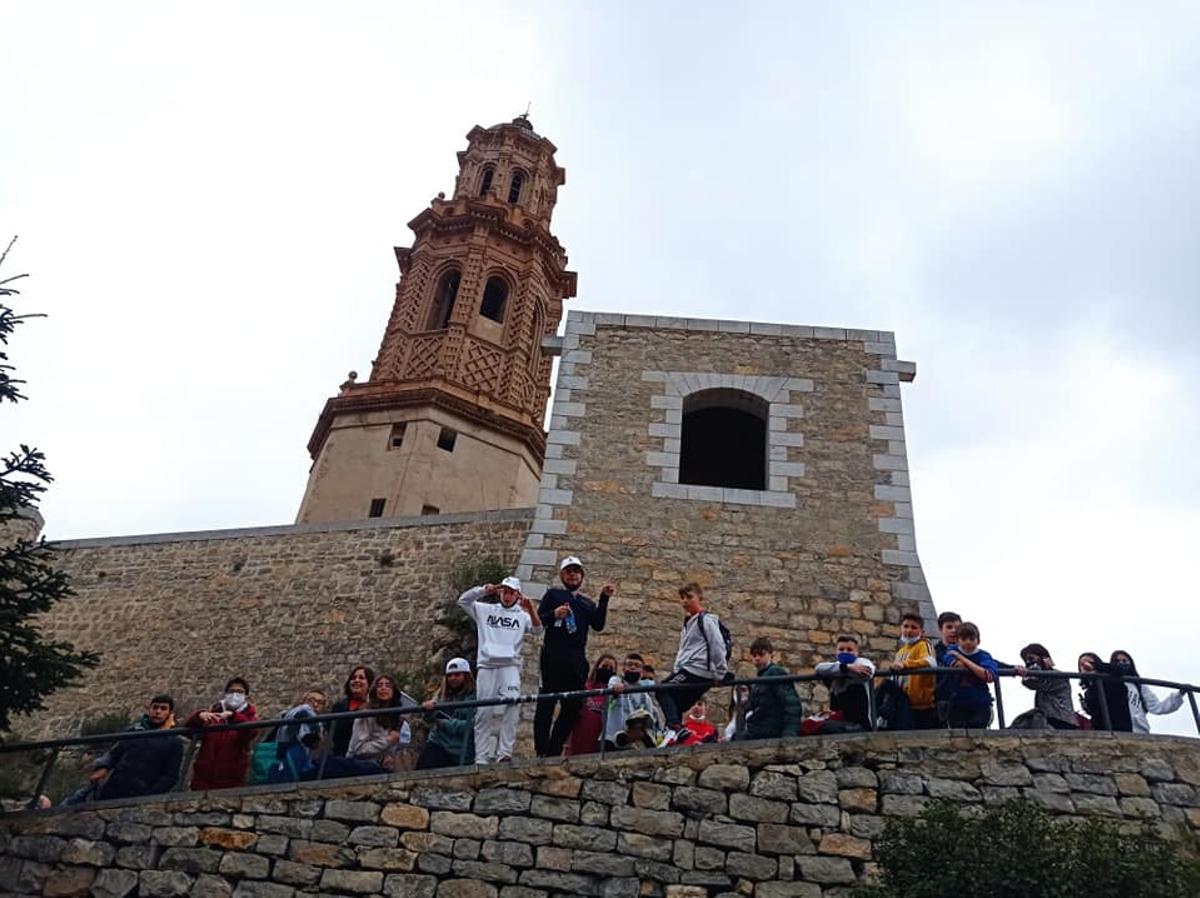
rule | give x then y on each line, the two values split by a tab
224	756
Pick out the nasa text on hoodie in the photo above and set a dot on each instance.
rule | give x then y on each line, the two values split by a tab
501	630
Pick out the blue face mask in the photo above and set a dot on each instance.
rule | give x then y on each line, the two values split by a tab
847	657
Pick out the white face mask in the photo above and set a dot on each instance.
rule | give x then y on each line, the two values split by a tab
908	640
234	701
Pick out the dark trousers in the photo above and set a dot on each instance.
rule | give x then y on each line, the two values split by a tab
927	719
560	673
675	701
970	718
434	756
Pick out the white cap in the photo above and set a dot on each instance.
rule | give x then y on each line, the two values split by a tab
458	665
568	561
511	583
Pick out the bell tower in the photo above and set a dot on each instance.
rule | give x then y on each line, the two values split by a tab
451	417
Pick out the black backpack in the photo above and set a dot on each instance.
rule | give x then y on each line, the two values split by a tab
726	637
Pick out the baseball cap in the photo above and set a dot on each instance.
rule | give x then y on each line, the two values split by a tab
458	665
568	561
511	583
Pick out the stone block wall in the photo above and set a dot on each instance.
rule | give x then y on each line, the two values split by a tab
794	819
286	607
828	547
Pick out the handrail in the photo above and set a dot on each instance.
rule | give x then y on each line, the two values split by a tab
194	733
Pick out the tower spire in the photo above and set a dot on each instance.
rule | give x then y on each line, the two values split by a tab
451	416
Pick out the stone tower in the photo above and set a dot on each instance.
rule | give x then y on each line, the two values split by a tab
451	418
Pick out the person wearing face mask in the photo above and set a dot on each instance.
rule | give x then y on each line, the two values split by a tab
847	686
1052	696
696	726
623	703
915	653
501	629
585	735
354	697
224	755
1142	700
569	615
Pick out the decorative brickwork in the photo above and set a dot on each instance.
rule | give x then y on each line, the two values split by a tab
795	819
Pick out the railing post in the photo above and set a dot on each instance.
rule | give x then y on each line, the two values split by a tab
40	788
181	777
1195	710
999	704
1105	717
869	684
604	724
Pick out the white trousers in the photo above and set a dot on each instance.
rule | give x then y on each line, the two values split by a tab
496	726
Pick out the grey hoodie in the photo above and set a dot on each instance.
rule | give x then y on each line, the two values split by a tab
697	655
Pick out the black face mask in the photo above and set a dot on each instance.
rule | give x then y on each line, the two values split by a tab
605	673
1122	667
632	676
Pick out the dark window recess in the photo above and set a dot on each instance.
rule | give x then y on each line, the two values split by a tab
486	184
495	294
446	439
724	445
430	509
443	301
396	440
376	509
514	187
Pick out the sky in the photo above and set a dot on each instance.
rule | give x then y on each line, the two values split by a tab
207	198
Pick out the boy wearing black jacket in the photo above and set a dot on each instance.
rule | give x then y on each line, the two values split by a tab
567	615
775	709
147	766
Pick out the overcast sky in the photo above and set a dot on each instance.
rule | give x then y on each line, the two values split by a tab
207	199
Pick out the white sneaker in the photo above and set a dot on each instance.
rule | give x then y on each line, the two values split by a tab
668	738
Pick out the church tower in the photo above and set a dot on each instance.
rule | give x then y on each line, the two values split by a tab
451	417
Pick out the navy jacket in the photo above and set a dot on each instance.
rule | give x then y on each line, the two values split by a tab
776	706
588	615
146	766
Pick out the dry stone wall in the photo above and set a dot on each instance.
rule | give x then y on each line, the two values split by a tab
792	819
286	607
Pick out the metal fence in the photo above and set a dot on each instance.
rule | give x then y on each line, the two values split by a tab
194	735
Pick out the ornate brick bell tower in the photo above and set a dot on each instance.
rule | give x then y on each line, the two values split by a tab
451	418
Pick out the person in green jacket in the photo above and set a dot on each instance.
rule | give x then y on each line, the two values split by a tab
451	741
775	709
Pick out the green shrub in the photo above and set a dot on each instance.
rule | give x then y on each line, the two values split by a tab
1020	850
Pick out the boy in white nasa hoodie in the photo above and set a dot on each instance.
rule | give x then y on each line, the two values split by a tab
502	629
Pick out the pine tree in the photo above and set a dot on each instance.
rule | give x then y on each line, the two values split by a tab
30	666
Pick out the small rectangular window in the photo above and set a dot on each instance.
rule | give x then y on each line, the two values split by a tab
446	439
396	440
376	509
430	509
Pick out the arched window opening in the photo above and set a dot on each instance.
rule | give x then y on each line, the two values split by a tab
443	300
486	183
724	440
515	185
495	294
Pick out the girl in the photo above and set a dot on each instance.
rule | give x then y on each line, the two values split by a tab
224	756
1111	692
375	742
585	735
354	697
1142	700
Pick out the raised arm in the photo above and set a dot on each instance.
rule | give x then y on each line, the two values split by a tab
469	598
1156	705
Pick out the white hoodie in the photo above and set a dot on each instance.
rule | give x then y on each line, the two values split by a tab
501	630
1143	701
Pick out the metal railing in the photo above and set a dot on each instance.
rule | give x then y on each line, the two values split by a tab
195	734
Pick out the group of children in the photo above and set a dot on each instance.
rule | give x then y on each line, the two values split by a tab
941	683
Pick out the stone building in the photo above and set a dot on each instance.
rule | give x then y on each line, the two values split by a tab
766	461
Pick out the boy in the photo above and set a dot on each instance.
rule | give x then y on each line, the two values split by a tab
697	729
621	706
502	630
146	766
295	742
971	705
914	653
947	623
848	692
569	615
775	709
1052	696
700	662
